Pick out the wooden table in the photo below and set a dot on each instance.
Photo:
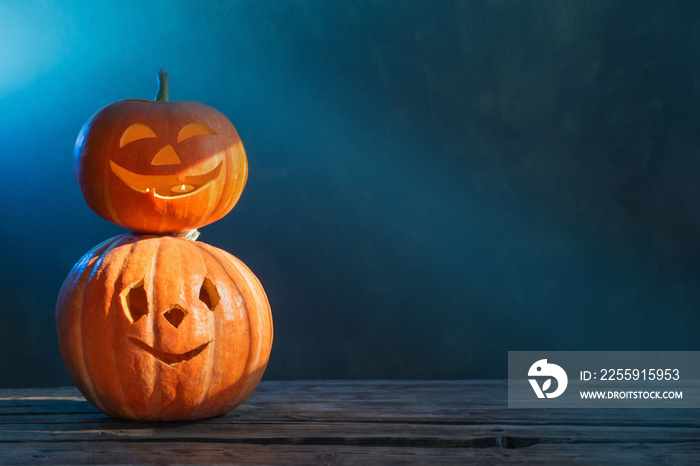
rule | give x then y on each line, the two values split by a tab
349	422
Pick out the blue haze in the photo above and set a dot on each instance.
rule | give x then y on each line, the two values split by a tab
432	184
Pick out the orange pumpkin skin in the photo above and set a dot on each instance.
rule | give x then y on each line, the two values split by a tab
160	167
163	328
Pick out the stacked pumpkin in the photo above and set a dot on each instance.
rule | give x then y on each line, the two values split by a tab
154	325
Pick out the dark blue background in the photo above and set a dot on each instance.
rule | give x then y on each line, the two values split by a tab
431	184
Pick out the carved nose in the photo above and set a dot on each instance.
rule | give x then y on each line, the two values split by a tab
174	316
166	156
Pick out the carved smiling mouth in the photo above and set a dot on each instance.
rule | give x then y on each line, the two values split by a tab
168	358
166	186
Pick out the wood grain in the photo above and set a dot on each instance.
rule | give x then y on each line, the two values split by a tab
349	422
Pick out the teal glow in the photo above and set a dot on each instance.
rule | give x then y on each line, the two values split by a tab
35	38
431	184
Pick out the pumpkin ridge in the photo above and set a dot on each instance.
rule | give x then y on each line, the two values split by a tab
222	260
111	336
133	250
257	344
232	173
214	201
87	379
103	278
107	172
251	282
156	395
214	350
88	376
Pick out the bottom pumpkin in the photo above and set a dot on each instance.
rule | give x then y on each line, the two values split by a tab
162	328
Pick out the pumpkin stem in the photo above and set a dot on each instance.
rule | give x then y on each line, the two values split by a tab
163	87
190	234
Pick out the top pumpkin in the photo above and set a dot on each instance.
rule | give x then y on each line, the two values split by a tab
160	166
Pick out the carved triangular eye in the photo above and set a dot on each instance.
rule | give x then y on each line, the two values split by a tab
134	301
208	294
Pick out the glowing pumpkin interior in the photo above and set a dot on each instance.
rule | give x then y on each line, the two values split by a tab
165	186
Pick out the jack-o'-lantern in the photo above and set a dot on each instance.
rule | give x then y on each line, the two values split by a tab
160	166
162	328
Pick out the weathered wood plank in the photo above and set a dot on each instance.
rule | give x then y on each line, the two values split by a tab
465	402
347	433
198	453
339	422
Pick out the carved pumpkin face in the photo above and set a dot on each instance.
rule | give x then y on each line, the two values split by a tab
163	328
160	167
